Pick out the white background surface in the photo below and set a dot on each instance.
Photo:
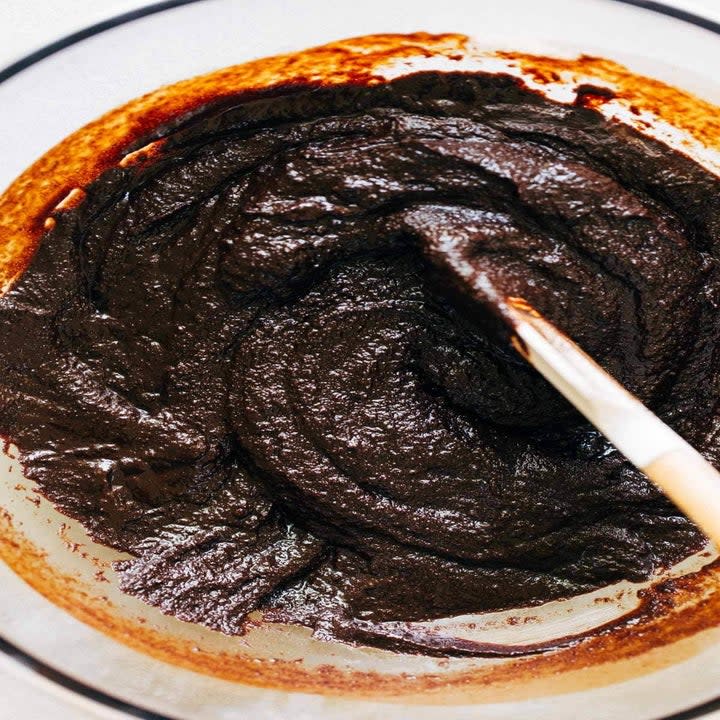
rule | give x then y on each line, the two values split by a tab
26	25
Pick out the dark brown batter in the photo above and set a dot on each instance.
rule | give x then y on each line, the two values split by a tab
249	361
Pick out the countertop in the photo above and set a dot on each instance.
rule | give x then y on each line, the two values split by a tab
26	25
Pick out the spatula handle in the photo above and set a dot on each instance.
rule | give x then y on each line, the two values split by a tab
693	484
684	475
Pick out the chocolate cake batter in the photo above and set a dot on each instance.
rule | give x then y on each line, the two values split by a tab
250	361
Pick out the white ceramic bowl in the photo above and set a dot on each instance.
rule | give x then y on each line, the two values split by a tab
130	657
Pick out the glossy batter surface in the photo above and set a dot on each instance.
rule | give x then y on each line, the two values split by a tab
249	363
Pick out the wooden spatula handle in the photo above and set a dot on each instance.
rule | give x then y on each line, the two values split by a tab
684	475
692	483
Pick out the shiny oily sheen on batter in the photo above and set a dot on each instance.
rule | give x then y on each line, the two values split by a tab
246	362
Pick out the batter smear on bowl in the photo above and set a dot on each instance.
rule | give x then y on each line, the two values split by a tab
241	359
